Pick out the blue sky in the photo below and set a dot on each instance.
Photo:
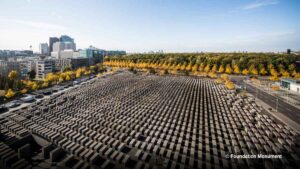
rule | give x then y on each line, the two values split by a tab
145	25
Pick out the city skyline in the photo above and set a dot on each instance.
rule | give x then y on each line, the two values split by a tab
141	26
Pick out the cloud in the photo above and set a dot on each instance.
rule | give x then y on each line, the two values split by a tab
261	3
38	25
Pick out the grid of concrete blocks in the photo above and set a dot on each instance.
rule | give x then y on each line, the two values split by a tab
139	121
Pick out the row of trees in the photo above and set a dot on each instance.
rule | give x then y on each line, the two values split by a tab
207	68
28	85
13	81
242	60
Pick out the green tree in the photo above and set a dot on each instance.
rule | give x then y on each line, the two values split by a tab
31	74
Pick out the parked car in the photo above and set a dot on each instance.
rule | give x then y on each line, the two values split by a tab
13	104
84	79
70	84
76	82
28	99
38	95
54	90
60	88
47	92
3	109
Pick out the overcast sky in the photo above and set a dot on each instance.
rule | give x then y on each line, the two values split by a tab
144	25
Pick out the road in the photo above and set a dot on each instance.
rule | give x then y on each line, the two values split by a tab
286	109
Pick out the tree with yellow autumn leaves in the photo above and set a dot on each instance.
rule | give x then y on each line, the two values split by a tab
9	94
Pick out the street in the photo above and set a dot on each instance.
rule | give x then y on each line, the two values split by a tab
286	109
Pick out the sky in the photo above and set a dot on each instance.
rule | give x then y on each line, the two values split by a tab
152	25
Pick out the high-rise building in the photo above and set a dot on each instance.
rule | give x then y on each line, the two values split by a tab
44	49
65	38
65	43
61	47
52	40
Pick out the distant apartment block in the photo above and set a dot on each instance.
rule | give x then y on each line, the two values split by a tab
8	66
43	67
5	54
61	64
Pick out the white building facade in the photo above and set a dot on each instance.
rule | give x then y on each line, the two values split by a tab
60	48
290	84
43	67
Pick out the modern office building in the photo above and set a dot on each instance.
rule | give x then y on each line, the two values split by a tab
44	49
65	46
290	84
65	39
61	46
86	53
81	62
43	67
115	52
66	54
52	40
95	55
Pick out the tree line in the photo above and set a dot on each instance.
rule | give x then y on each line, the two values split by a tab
272	64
